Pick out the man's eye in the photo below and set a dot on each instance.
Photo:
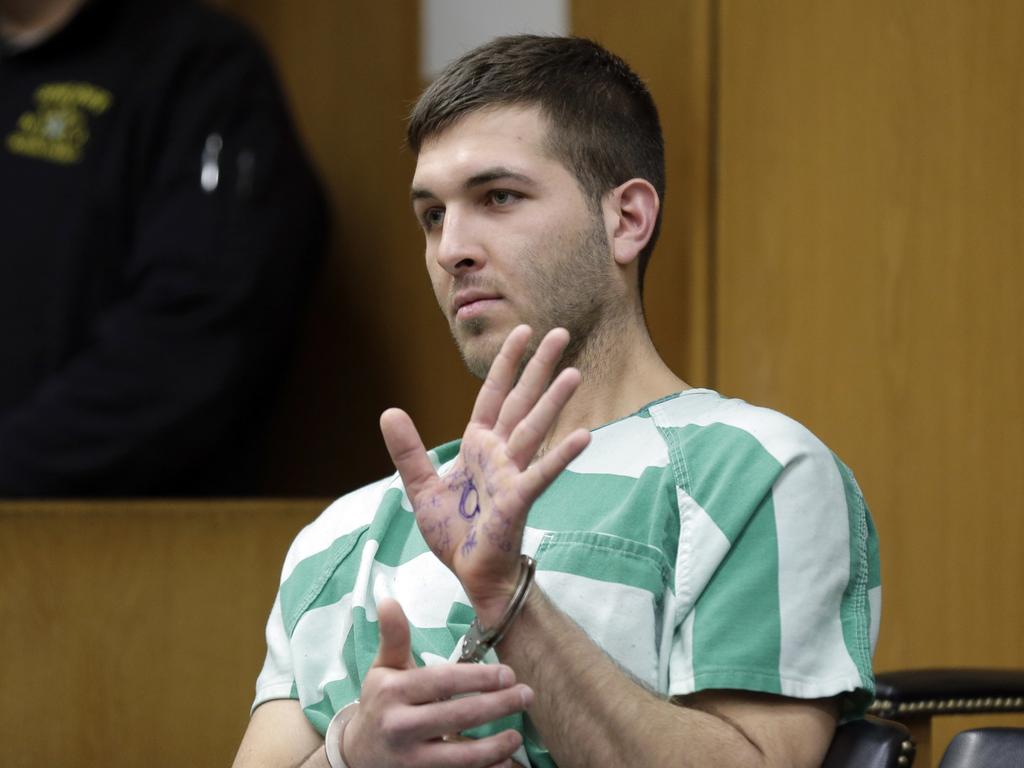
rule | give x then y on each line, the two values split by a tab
433	217
503	196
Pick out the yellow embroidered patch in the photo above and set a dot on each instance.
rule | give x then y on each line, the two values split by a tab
58	129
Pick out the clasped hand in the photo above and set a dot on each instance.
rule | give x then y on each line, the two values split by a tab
405	712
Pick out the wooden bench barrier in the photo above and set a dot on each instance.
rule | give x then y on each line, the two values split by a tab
131	632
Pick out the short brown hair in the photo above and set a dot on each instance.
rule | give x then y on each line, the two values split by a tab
604	126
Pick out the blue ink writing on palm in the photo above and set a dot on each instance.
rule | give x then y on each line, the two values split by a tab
469	504
470	543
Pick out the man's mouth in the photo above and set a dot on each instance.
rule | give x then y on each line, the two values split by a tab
472	302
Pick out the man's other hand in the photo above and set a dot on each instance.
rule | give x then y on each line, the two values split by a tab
405	711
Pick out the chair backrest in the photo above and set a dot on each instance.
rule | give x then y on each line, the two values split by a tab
870	743
986	748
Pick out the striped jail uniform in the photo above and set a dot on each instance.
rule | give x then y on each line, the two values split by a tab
702	542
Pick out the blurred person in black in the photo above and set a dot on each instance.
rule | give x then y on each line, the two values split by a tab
159	230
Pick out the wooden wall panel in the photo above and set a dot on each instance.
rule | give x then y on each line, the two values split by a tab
870	268
669	46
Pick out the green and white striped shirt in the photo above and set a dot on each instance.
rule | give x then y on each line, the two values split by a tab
702	542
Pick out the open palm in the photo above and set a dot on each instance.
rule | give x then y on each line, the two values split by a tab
473	517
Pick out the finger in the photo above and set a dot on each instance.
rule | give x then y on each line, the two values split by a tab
544	471
406	450
394	651
428	721
444	681
530	432
501	377
473	753
532	383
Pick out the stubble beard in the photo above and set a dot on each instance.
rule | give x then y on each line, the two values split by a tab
570	286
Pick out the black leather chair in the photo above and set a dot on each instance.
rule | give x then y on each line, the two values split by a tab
914	696
870	743
986	748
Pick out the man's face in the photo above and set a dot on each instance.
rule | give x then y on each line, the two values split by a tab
510	237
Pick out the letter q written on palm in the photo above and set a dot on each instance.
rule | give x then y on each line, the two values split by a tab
405	710
473	517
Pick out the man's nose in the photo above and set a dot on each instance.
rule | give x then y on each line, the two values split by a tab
459	249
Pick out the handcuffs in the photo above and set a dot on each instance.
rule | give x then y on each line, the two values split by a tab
478	641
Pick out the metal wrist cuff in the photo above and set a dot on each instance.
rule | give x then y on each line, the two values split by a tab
335	733
478	641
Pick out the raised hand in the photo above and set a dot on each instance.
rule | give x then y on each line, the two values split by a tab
473	517
404	711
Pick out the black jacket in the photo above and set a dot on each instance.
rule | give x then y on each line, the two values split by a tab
159	229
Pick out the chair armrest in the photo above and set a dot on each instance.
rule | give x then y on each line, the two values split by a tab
870	743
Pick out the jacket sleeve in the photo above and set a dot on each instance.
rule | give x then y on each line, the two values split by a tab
179	370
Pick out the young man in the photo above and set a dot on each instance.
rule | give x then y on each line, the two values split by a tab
705	570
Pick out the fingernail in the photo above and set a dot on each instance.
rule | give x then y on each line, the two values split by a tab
526	694
505	677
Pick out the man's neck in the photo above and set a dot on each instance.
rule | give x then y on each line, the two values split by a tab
26	22
621	372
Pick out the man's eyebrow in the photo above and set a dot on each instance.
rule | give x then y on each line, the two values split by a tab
495	174
476	180
419	193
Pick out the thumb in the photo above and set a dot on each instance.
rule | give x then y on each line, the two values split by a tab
394	650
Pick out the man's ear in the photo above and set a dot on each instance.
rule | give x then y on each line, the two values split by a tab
630	212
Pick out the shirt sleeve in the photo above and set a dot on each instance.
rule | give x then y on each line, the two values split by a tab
181	365
774	564
277	678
